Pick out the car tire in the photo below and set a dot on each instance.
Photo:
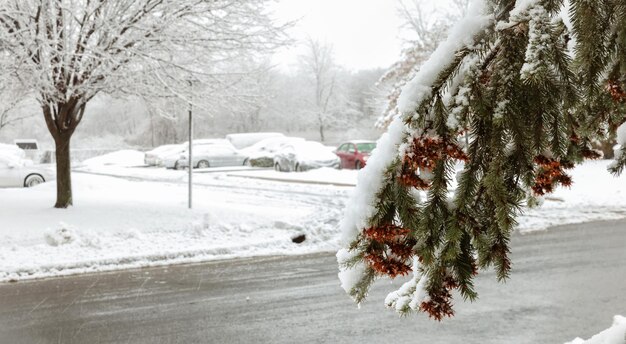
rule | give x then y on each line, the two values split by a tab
177	166
33	180
298	168
203	164
247	163
357	165
277	167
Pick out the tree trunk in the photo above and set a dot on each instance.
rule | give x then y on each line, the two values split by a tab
62	119
64	172
320	122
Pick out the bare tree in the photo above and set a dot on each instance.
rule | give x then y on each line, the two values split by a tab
12	110
425	31
68	51
14	101
319	63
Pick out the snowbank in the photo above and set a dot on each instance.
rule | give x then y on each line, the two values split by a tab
616	334
144	221
118	223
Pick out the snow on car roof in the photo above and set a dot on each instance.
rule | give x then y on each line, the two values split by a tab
12	151
272	140
163	148
4	146
243	140
310	150
202	142
360	141
306	144
10	158
210	141
125	157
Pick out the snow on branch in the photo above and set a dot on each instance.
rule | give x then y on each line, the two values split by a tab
370	180
77	48
488	82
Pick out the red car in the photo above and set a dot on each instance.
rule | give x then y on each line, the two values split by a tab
354	154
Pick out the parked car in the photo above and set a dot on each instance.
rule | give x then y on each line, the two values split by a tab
18	172
156	156
261	154
213	156
304	155
170	159
354	154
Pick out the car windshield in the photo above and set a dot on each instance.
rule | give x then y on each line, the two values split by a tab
366	147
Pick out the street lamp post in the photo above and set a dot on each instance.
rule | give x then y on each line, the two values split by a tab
190	168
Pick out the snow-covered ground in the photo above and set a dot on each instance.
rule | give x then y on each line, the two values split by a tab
320	176
616	334
595	195
134	216
118	223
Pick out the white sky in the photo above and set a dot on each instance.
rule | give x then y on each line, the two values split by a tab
364	33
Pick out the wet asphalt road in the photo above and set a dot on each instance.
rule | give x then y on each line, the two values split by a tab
566	282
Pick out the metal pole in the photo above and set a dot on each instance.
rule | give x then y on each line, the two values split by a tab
190	155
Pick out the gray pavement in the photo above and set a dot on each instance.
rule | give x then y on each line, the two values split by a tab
566	282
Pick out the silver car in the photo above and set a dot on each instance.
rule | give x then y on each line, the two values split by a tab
173	159
213	156
156	156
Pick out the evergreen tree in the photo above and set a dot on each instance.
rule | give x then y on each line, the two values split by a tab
531	82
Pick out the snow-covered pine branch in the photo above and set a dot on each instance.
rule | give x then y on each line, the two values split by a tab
504	76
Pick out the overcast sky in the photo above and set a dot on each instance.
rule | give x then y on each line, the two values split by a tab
364	33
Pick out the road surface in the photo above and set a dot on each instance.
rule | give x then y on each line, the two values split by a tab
566	282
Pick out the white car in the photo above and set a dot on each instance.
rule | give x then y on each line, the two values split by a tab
304	155
261	154
17	172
